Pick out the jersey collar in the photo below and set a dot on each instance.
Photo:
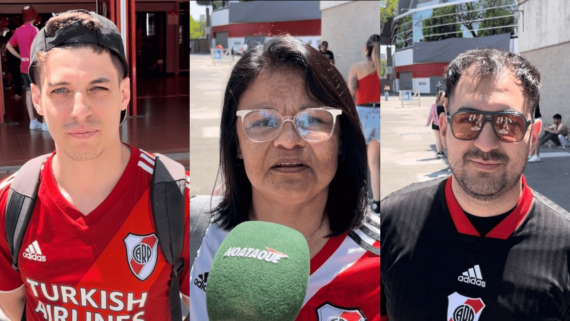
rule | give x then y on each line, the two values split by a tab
504	229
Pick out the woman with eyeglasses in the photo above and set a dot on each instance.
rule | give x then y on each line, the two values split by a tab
292	152
364	79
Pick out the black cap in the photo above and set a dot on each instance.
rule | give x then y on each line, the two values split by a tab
324	43
107	36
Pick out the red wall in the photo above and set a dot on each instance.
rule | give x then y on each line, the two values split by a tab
295	28
423	70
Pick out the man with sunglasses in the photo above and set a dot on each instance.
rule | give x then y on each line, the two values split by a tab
480	244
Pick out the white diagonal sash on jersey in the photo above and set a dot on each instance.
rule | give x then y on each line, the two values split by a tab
343	258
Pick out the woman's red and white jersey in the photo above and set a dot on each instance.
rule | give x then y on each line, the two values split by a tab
344	280
106	265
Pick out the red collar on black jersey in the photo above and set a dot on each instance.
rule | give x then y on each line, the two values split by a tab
504	229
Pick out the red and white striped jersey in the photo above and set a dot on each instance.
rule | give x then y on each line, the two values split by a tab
106	265
344	280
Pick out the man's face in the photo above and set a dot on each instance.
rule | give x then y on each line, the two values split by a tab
324	48
81	99
486	167
556	121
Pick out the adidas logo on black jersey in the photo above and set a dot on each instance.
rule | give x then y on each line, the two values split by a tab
201	281
472	276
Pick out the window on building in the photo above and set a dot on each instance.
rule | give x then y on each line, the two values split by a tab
464	20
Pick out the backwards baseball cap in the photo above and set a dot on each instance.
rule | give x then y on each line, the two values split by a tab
324	43
107	36
29	13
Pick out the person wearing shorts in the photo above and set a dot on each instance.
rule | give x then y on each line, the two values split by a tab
364	86
22	39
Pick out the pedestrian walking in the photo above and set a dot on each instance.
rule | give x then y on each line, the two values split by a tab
22	39
386	91
433	120
327	53
480	244
13	65
364	86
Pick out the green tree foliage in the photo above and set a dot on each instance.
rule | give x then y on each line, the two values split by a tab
442	24
497	22
196	32
403	32
383	64
387	9
472	16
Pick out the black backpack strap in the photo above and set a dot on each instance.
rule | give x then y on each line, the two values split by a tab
201	207
167	197
371	228
20	204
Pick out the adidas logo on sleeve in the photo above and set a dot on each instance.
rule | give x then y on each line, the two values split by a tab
472	276
33	252
201	281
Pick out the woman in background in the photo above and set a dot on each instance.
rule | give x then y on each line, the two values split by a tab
364	86
433	119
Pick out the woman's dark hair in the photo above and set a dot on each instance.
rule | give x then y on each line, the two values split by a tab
347	198
374	39
491	62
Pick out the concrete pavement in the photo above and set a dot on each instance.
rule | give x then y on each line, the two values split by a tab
207	85
408	154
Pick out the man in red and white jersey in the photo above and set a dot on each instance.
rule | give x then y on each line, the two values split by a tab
90	251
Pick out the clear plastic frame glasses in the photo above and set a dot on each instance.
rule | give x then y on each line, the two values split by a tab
312	124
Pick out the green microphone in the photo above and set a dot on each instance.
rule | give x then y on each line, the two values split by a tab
260	273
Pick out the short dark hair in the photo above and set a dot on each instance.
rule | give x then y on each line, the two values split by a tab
491	62
347	195
557	116
63	20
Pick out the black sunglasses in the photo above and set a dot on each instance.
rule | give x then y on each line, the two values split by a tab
509	126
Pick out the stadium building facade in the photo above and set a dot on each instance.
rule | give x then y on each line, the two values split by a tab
427	35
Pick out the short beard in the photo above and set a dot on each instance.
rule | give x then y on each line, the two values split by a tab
81	157
489	188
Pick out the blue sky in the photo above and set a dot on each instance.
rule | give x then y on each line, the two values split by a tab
197	10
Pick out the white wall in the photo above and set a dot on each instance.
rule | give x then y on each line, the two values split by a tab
329	4
404	57
346	27
422	84
221	17
237	42
544	23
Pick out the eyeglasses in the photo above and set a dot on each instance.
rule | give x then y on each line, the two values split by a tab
312	124
509	126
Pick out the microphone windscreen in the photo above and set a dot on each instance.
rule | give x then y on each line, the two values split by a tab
260	273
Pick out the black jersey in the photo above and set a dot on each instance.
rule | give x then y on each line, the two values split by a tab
435	266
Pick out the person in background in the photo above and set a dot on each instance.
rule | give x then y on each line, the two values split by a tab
551	133
14	65
22	39
364	86
386	91
326	52
433	119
